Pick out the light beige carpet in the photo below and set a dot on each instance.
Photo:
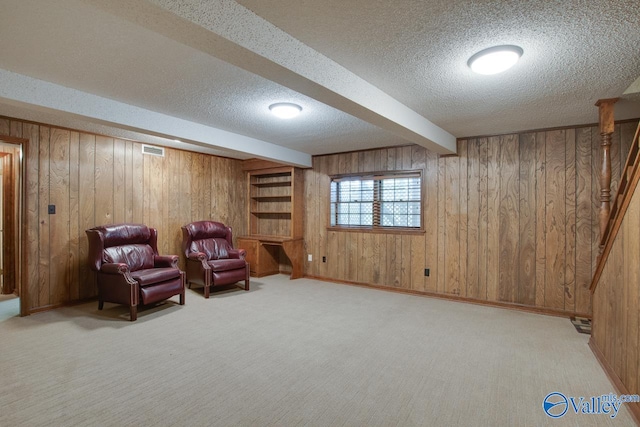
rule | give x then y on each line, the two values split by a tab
290	353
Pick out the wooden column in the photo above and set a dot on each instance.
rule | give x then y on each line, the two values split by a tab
605	109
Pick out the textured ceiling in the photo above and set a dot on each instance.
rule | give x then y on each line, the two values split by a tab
364	71
575	52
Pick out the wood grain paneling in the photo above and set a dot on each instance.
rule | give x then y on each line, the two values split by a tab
94	180
463	217
59	223
555	215
103	178
440	225
416	244
493	218
616	305
526	282
128	181
483	219
87	198
174	236
138	183
431	210
541	217
511	219
451	246
32	200
473	221
570	222
74	216
43	297
631	280
583	268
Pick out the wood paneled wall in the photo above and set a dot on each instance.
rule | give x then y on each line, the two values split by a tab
94	180
616	307
511	219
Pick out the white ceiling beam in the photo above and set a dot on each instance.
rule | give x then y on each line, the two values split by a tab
633	88
38	94
234	34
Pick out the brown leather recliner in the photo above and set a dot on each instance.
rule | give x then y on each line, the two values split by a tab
211	259
129	269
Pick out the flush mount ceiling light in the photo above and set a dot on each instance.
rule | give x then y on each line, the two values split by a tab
285	110
495	59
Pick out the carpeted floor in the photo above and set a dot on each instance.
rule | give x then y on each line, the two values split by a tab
290	353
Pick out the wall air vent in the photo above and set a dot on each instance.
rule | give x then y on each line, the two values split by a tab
151	150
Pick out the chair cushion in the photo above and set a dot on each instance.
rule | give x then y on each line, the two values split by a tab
137	256
168	289
124	234
214	248
155	275
207	230
226	264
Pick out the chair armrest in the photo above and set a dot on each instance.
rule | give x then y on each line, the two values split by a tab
198	259
118	274
165	261
114	268
198	269
237	253
197	256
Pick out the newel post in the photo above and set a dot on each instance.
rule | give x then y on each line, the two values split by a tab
605	109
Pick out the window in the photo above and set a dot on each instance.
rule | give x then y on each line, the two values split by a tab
378	201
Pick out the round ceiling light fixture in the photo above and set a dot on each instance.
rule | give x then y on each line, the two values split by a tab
285	110
495	59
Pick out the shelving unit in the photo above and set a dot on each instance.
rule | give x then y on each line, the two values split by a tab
273	201
275	220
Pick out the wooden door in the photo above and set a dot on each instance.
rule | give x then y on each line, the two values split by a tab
8	224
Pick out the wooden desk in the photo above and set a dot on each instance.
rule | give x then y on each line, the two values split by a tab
263	254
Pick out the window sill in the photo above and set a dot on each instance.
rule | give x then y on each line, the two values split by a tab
380	230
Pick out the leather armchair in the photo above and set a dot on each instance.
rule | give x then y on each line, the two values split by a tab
211	258
129	269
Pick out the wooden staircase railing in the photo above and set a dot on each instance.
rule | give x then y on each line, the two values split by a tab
626	188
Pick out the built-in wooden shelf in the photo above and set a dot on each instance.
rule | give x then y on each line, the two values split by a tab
272	184
271	198
271	213
275	221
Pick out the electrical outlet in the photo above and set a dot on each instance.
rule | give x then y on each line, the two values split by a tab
426	272
52	209
309	257
324	259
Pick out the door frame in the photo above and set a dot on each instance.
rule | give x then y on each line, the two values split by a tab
9	218
21	271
